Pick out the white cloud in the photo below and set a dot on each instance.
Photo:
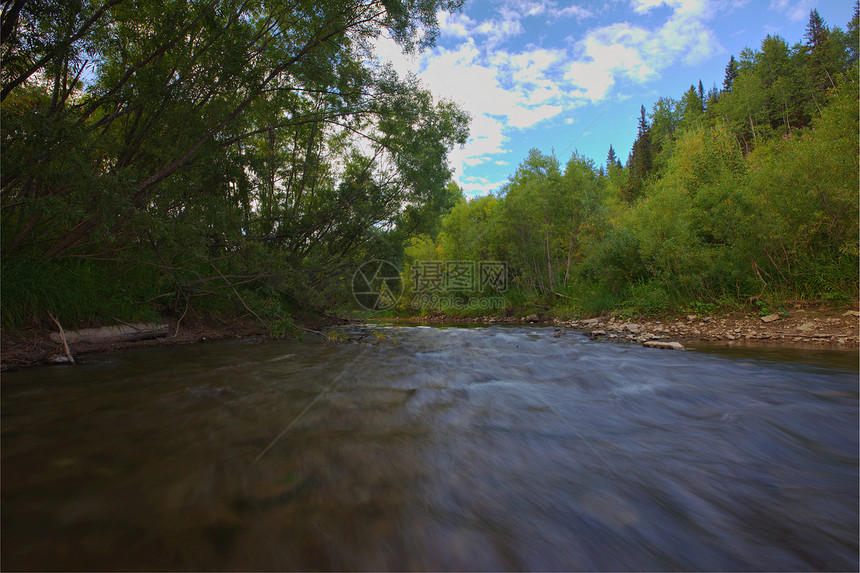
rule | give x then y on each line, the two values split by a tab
623	50
796	10
472	161
457	25
480	185
571	12
506	90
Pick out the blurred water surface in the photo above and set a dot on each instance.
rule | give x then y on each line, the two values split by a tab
497	448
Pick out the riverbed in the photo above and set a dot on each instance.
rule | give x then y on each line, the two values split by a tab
418	448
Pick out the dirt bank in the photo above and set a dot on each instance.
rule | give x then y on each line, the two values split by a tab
834	327
33	346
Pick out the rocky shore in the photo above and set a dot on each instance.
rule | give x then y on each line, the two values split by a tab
816	326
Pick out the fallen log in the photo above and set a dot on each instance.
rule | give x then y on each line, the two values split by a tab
118	333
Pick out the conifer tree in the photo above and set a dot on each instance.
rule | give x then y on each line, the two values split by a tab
816	37
816	30
731	74
612	159
640	160
853	36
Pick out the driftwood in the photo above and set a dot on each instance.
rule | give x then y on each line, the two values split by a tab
62	338
118	333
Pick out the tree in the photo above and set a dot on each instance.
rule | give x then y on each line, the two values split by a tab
178	86
853	37
816	30
665	120
612	159
731	74
640	160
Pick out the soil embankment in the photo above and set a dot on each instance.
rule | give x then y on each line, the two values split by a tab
38	346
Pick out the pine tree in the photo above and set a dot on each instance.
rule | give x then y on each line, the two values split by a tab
713	97
612	159
701	93
816	30
640	160
853	36
731	74
643	123
817	47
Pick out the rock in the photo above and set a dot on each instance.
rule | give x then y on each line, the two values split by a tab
531	318
590	321
691	317
634	328
806	326
597	333
770	318
663	344
851	313
558	333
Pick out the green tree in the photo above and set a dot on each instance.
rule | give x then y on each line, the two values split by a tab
731	74
640	161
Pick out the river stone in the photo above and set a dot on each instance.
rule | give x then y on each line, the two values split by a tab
770	318
532	318
806	326
663	344
851	313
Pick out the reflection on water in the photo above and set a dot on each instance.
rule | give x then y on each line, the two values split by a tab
453	449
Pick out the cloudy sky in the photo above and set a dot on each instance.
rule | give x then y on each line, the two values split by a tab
564	76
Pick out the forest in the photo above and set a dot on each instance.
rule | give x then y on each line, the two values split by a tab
245	157
739	196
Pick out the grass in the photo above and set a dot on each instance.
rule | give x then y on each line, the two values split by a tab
79	292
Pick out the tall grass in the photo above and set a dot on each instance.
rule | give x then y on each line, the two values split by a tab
79	292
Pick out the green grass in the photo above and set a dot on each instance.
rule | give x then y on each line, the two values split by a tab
78	292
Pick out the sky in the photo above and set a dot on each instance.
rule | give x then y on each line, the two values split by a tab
567	77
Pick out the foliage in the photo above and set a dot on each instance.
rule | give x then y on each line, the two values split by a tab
748	193
243	138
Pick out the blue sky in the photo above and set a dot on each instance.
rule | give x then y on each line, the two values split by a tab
565	76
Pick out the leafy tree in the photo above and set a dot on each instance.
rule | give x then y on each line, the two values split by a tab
189	131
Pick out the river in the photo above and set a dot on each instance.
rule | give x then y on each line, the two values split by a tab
499	448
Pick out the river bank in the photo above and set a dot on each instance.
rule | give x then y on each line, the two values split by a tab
819	326
35	347
806	325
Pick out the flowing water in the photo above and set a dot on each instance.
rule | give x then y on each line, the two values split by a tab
498	448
